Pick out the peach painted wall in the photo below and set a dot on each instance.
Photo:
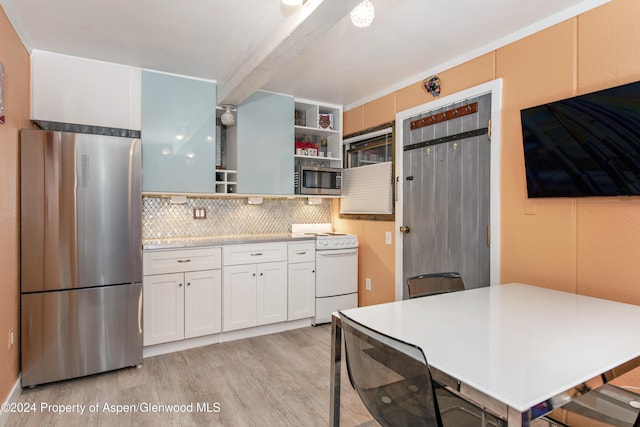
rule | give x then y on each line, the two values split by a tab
464	76
353	120
538	236
381	110
589	246
17	70
375	257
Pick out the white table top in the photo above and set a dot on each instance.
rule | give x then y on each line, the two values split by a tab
519	344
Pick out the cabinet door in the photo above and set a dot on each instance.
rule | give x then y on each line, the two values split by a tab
272	292
178	134
239	297
265	144
202	303
302	290
70	89
163	303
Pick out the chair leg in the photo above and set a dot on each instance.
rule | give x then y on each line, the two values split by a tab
553	422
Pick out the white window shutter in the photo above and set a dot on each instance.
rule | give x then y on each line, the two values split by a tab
367	190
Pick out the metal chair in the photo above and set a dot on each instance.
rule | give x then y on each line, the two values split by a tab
393	380
609	405
434	283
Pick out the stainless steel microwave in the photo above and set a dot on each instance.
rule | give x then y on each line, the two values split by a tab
318	180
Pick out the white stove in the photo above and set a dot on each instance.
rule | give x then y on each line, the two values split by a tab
336	269
329	241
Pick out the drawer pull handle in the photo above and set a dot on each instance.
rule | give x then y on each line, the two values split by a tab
184	260
301	253
256	254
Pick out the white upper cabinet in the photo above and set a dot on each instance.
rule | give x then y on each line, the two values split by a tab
264	139
76	90
178	134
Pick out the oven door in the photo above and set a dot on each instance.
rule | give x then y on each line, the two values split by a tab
336	272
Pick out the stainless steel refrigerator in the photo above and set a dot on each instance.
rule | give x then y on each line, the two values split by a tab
80	254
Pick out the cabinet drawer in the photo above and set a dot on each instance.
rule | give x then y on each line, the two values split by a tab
181	260
302	252
254	253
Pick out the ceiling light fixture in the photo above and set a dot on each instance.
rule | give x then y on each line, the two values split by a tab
227	118
362	15
292	2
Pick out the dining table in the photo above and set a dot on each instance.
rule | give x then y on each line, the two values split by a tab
520	351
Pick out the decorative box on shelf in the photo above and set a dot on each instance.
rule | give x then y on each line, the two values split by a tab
305	148
325	121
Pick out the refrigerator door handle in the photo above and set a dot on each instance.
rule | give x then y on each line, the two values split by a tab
140	313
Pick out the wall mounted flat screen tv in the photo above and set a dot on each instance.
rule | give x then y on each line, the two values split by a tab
588	145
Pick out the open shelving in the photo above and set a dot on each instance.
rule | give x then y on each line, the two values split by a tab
226	181
321	126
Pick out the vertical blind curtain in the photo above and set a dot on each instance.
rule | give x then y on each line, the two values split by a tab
367	190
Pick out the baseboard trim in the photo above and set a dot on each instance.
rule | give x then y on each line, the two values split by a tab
13	397
170	347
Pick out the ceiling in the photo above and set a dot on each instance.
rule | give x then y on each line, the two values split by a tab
310	51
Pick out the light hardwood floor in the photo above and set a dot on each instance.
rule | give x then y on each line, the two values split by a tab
274	380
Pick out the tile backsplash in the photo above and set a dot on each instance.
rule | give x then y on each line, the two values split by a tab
162	219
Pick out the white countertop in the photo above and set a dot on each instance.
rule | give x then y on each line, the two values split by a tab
519	344
187	242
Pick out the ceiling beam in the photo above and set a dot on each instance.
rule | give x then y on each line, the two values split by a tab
276	52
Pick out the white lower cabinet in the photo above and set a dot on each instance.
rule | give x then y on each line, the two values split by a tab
255	285
163	308
202	303
195	292
184	304
302	288
271	292
301	281
254	294
239	297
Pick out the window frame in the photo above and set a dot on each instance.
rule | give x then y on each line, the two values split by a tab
394	198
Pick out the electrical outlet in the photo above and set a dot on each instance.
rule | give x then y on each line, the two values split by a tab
530	207
199	213
367	283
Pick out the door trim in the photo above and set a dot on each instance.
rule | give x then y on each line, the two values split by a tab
493	87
